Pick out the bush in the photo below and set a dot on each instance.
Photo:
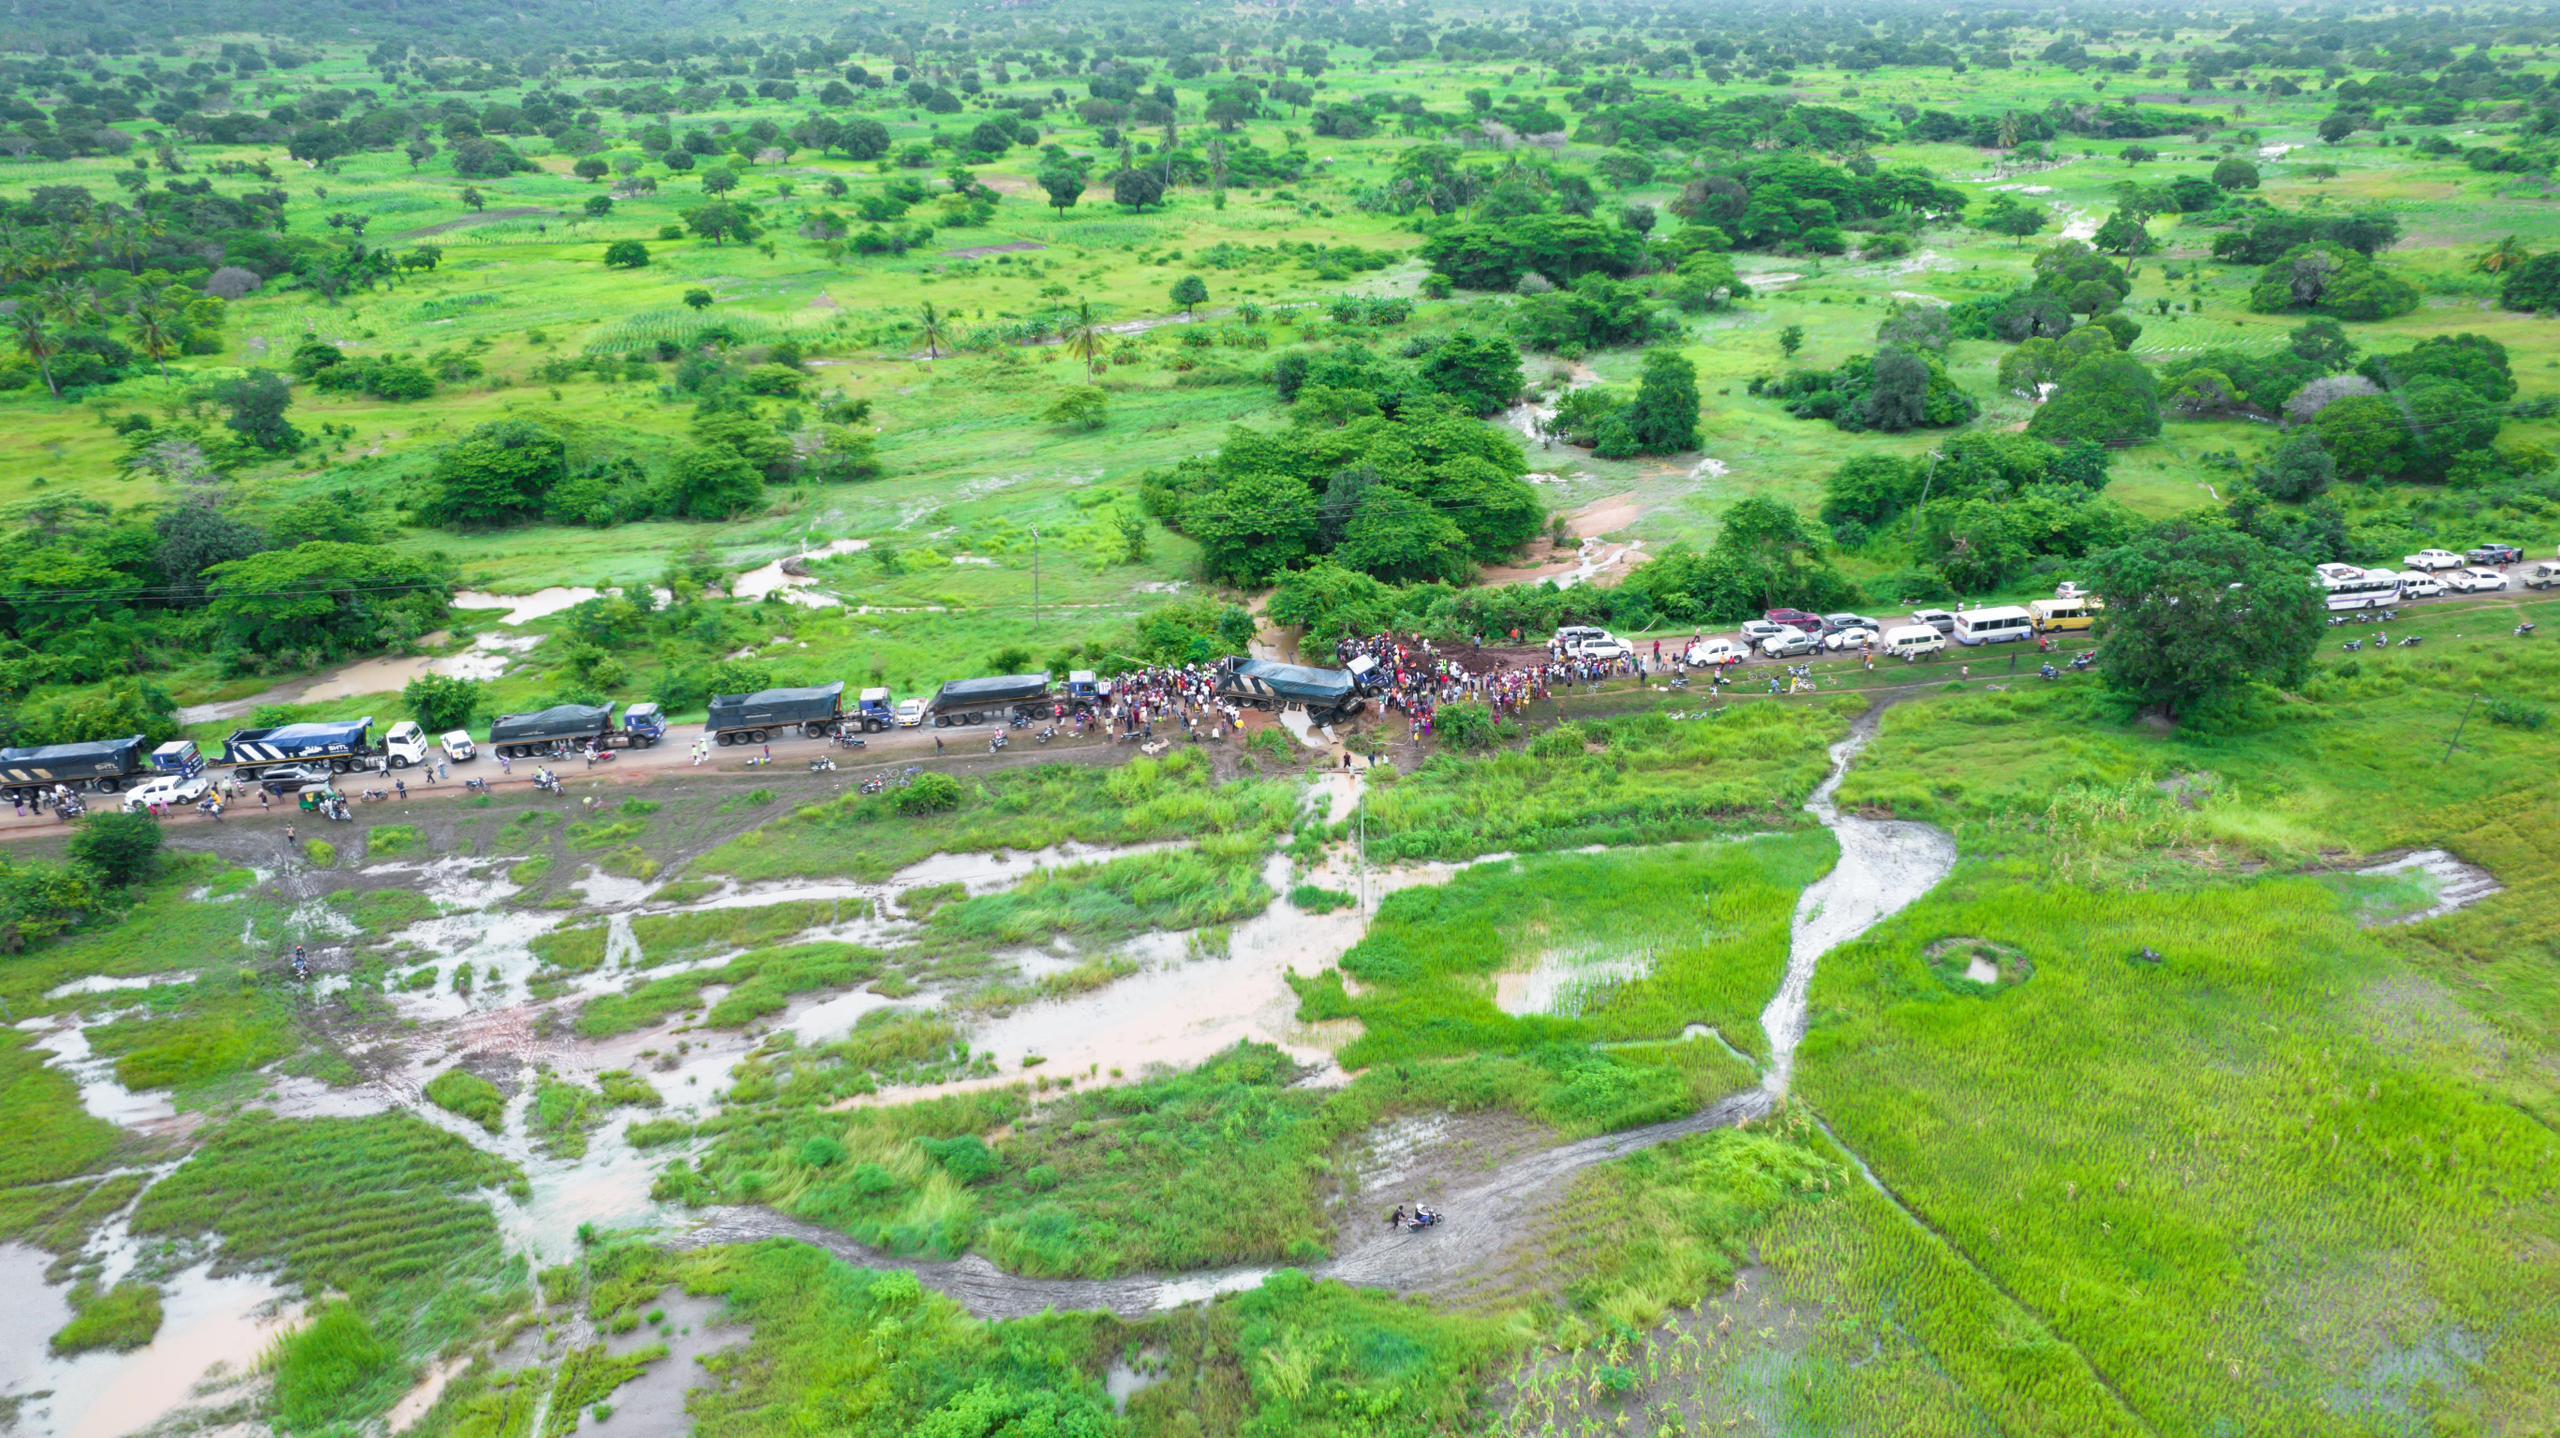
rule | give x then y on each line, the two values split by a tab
2517	714
120	846
467	1095
929	794
323	1370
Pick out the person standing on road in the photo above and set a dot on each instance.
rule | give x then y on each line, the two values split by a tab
937	746
266	800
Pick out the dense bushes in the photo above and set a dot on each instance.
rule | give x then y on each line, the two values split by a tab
1894	389
2329	279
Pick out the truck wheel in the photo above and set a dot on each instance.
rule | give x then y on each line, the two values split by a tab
342	766
109	785
399	763
941	721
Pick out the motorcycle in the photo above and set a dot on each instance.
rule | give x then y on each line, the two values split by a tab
848	740
998	742
823	764
475	786
2048	672
2525	630
376	796
1047	734
874	784
547	783
1421	1219
2086	658
2412	641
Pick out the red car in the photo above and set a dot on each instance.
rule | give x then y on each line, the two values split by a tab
1795	619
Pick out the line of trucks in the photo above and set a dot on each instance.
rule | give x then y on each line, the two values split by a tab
288	756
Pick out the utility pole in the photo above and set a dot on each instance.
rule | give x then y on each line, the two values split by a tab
2455	742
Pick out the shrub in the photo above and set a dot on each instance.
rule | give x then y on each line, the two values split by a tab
929	794
120	846
2517	714
467	1095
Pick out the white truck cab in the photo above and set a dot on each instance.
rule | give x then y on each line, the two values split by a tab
404	744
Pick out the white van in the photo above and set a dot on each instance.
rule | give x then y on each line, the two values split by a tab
1911	641
2000	624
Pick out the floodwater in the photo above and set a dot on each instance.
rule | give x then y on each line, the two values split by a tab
212	1331
100	1093
1884	866
1564	983
776	578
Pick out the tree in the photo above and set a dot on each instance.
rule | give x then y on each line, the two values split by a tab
500	473
1790	339
697	298
1898	398
258	401
122	846
440	701
591	168
1084	339
1663	417
1480	372
720	181
1084	407
2324	343
929	321
473	199
156	325
712	481
1253	528
2109	398
2195	611
321	601
1137	189
626	255
2501	257
1190	292
2006	216
721	222
36	340
2300	469
2123	234
2533	286
2235	174
1064	179
598	207
1403	540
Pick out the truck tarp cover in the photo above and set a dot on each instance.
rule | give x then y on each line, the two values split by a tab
119	754
559	719
1003	689
1296	681
317	735
777	706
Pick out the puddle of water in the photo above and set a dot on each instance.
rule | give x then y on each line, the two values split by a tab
1201	1287
772	578
1124	1383
608	1188
1981	970
212	1332
102	984
100	1092
833	1018
418	1400
611	891
2457	885
456	881
525	608
1566	983
488	658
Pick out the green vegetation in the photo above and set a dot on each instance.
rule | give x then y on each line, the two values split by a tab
759	983
467	1095
124	1317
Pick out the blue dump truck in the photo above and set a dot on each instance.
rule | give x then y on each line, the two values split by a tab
1326	694
341	745
521	736
104	765
755	718
875	712
978	701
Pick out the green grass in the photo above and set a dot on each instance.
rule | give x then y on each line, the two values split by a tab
386	1211
563	1117
760	982
1146	800
52	1136
1218	881
123	1318
467	1095
669	938
589	1376
391	840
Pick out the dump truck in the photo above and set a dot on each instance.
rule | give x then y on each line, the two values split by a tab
522	736
1326	694
874	711
344	745
755	718
975	701
104	765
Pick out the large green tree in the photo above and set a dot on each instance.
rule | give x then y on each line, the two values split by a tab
322	601
1251	529
499	473
2195	611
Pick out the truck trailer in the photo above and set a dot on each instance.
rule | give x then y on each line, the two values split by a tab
1326	694
521	736
755	718
345	745
104	765
975	701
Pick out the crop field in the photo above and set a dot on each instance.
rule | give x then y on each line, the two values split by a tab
2151	1031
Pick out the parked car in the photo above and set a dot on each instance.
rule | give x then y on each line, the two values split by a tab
291	778
1940	620
2545	575
2432	560
1755	630
1716	651
1795	619
1583	641
1849	621
1912	641
910	713
457	746
171	790
1789	643
2496	554
2476	581
2068	590
2416	585
1848	637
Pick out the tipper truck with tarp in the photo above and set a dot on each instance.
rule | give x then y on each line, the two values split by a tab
975	701
755	718
105	765
1326	694
521	736
342	744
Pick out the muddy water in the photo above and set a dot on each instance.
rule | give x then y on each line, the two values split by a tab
777	578
212	1331
1884	866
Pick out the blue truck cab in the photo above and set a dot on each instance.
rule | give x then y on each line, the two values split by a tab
645	723
1086	691
875	711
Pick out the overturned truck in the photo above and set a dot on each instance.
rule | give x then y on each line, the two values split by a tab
1327	695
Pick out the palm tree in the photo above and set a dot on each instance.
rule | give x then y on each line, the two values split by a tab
155	329
933	334
35	341
2501	257
1084	338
